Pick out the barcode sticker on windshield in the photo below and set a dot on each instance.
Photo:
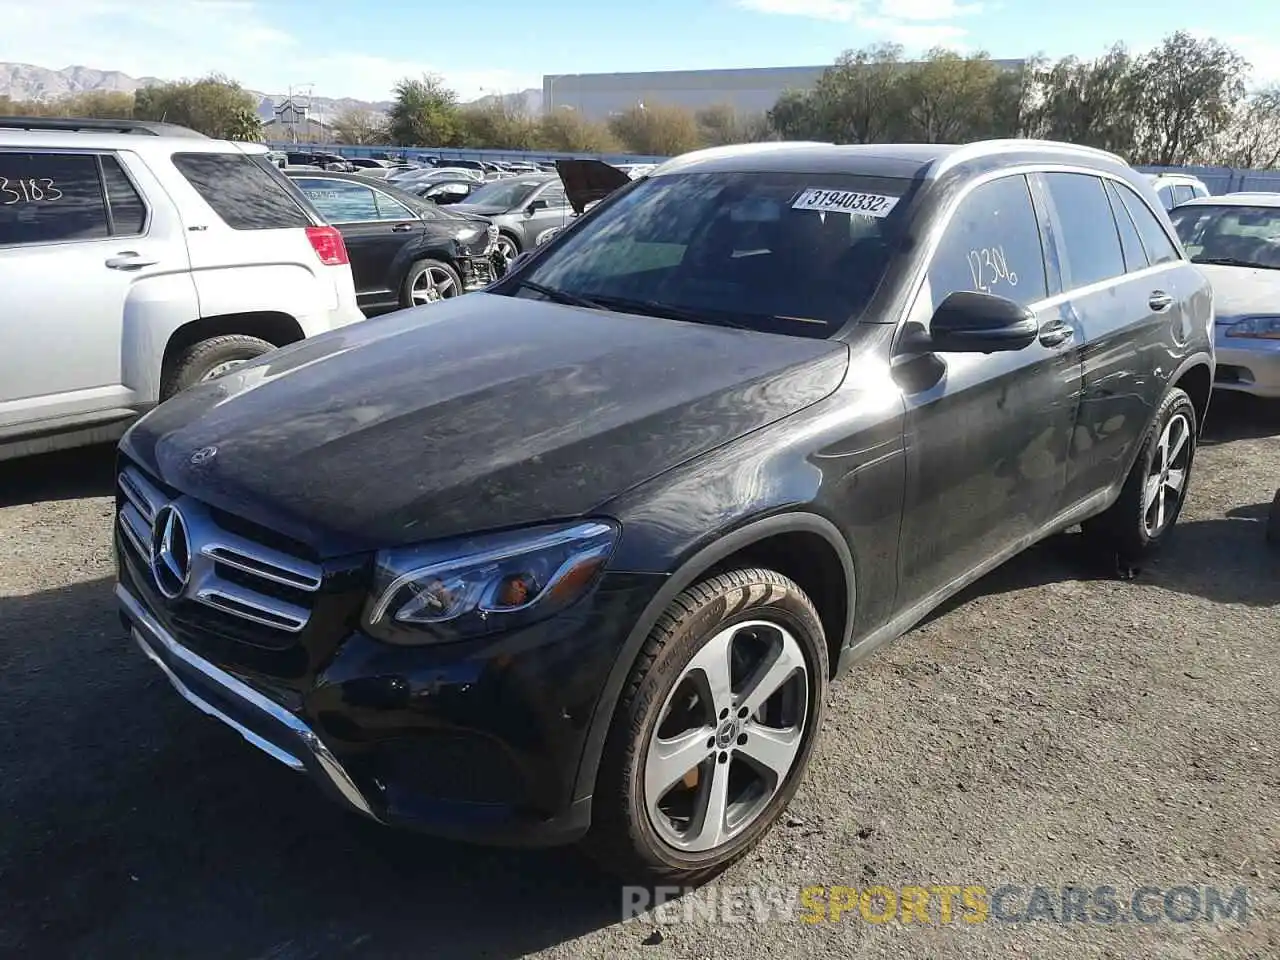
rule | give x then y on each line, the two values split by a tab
845	201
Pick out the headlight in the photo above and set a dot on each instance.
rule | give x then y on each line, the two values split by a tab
468	237
474	586
1260	328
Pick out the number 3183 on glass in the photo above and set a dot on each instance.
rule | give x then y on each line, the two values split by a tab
36	190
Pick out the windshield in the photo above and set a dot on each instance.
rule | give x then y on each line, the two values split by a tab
779	252
1249	236
505	193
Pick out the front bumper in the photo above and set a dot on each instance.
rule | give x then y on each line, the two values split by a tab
479	741
1247	366
260	720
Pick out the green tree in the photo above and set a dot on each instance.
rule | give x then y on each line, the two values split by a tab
424	114
1252	139
795	116
859	99
951	98
214	105
719	125
356	126
567	131
656	130
1091	102
501	123
1189	90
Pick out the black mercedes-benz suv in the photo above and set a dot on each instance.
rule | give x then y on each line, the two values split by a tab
577	556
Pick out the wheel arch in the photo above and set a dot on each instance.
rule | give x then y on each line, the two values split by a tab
278	329
780	542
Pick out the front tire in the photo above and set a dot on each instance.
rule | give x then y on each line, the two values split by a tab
210	359
1143	517
713	731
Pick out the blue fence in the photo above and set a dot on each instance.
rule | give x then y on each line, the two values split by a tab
456	153
1218	179
1221	180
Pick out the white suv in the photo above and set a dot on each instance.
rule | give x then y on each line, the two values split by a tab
137	259
1176	188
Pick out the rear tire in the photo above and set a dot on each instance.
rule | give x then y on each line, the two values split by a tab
209	359
1143	518
652	817
429	281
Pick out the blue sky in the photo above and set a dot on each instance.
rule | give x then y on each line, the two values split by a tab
361	47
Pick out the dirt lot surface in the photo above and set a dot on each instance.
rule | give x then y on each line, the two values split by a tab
1054	725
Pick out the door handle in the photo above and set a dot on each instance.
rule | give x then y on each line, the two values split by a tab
402	227
1055	333
128	260
1160	301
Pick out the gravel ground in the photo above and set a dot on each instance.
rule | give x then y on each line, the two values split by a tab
1051	726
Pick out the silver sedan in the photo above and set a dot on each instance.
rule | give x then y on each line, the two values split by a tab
1235	240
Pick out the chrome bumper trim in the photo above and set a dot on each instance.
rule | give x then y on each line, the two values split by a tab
158	644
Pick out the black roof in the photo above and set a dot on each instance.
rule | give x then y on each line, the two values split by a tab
87	125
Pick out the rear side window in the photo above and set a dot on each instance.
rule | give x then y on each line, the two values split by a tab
1182	193
1166	197
242	193
992	245
128	212
49	198
1155	241
1135	258
1087	231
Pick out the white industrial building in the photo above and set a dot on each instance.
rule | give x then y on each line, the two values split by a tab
598	96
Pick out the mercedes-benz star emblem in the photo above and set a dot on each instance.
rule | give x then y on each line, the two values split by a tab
203	455
170	552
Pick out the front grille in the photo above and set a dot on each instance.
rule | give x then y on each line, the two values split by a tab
193	557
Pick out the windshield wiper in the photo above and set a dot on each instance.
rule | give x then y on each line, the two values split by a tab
559	296
1234	262
654	308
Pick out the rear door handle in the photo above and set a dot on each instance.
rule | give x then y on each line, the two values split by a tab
128	260
1055	333
1160	301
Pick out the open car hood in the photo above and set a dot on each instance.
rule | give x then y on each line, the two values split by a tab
589	181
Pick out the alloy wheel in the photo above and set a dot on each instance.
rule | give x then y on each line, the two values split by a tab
727	736
1166	481
507	246
432	284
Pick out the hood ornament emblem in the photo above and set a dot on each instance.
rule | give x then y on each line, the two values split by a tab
203	455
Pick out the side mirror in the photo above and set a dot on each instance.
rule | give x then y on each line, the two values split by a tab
518	260
969	322
537	205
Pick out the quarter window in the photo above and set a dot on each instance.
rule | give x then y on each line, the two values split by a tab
50	197
1166	197
245	195
128	212
1087	231
1135	258
992	245
1155	240
1182	193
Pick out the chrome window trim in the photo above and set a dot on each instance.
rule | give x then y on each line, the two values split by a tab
1028	169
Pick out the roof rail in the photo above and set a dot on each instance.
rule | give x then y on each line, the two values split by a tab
986	148
93	125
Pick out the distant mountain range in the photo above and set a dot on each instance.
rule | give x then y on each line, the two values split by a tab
25	81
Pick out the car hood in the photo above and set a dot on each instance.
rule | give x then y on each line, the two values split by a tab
481	209
474	413
1242	291
589	181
